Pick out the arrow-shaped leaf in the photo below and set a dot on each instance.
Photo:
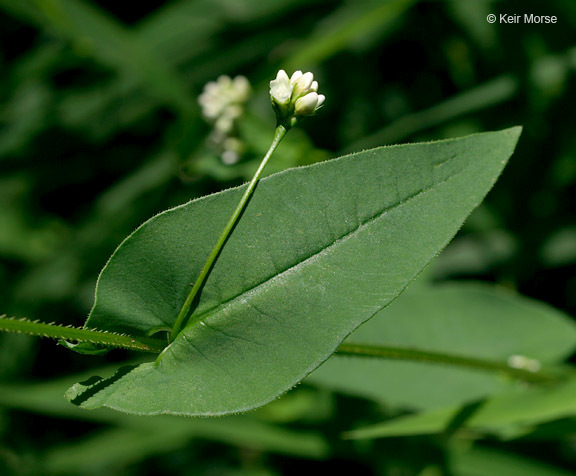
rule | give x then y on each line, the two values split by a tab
318	251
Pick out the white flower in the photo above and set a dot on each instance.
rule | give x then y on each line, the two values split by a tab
224	97
222	103
281	88
294	96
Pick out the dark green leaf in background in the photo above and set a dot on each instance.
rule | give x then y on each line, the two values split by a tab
517	410
478	461
472	320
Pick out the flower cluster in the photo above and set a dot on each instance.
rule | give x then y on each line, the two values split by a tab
294	96
222	103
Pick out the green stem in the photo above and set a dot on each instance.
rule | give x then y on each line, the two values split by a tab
399	353
147	344
54	331
183	315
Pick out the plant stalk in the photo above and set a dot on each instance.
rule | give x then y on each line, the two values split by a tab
147	344
55	331
415	355
184	312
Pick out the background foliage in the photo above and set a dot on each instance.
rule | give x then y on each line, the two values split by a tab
100	129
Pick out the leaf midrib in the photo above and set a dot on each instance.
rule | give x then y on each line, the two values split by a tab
196	319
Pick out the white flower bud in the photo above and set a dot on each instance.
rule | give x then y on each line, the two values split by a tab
302	85
243	89
233	148
306	104
295	76
224	124
224	81
524	363
230	157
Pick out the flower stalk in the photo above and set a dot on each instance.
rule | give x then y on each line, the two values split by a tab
291	98
221	102
184	312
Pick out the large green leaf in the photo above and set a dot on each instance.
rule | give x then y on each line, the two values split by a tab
473	320
318	251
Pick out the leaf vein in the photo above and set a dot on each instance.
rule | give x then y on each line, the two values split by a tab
231	301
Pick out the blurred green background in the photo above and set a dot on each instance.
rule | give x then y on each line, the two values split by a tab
100	129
